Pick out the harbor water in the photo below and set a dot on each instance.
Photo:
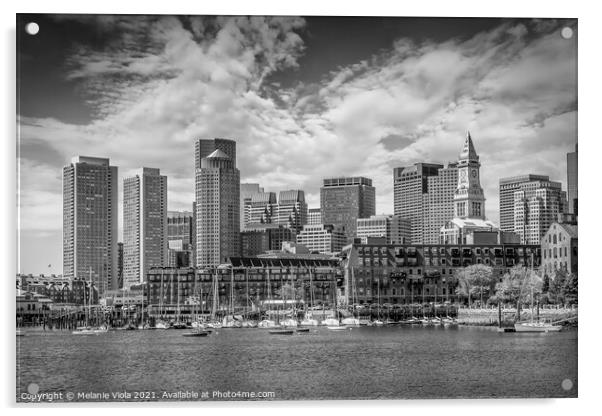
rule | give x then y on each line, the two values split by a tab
397	362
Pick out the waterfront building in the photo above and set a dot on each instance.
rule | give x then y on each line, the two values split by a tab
144	224
410	187
314	216
537	205
571	180
321	238
90	221
246	191
259	238
180	236
217	189
394	229
344	200
60	290
244	283
559	248
507	187
439	203
407	273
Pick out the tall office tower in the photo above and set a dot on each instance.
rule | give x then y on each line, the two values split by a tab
262	208
246	191
344	200
571	181
469	200
217	190
439	204
193	242
314	216
292	209
90	221
507	188
536	206
144	224
180	235
410	186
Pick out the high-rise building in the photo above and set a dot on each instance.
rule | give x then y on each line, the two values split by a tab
571	181
314	216
259	238
180	237
394	229
144	224
536	206
90	222
261	208
326	239
246	192
469	201
344	200
507	188
217	190
410	187
439	203
292	209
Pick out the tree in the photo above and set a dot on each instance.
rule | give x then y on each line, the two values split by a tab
519	285
569	289
477	280
556	291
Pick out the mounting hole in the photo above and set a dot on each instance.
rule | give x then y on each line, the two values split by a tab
567	384
566	32
32	28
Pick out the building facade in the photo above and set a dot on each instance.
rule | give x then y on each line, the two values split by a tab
292	209
571	181
180	237
344	200
144	224
321	238
559	248
410	274
394	229
537	205
90	221
120	265
314	216
507	187
217	189
260	238
246	192
439	203
410	187
261	208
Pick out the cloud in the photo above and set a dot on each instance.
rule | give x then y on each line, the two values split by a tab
161	82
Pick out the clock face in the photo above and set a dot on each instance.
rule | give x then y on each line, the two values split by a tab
474	173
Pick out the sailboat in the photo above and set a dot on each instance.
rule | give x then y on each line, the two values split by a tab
88	330
378	322
353	320
535	326
268	323
308	318
333	324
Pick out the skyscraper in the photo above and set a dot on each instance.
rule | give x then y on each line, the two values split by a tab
507	188
180	237
410	187
571	181
246	192
260	208
439	203
90	221
344	200
536	206
217	190
292	209
144	224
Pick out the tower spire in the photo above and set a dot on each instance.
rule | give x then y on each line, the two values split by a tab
468	150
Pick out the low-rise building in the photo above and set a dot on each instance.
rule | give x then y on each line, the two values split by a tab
321	238
559	248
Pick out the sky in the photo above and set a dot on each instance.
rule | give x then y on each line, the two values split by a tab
305	98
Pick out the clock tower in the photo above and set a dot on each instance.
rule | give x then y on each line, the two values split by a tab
469	200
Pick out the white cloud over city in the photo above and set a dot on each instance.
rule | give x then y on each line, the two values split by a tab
162	83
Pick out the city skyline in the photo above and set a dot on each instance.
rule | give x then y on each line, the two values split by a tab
289	114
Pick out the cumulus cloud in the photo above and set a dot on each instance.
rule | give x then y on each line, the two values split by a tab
162	82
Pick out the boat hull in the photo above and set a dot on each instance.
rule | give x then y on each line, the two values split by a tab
527	327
